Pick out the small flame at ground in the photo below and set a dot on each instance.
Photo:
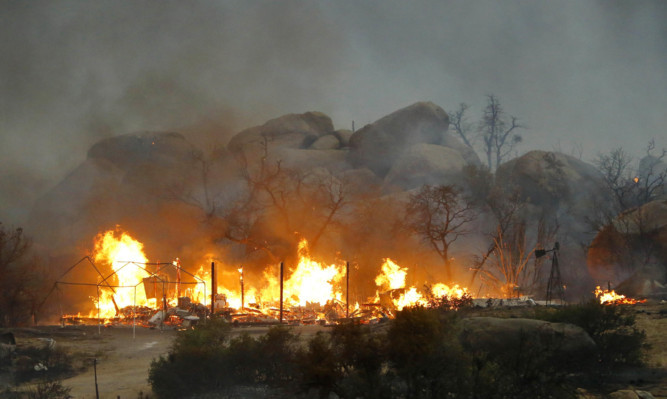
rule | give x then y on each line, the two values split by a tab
612	298
392	277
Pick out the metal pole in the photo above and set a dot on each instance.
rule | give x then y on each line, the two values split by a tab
347	290
214	289
281	292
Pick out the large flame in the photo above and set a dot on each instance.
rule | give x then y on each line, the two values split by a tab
310	289
392	276
312	282
612	298
125	257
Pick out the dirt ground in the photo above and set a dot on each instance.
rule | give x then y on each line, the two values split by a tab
652	318
123	360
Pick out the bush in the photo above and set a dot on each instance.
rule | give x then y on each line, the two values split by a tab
619	342
425	353
205	360
49	390
194	363
348	361
57	363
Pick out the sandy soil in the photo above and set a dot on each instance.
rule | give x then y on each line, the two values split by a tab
652	318
122	361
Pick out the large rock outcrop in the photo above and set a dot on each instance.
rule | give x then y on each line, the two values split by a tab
379	145
125	179
426	164
297	131
551	179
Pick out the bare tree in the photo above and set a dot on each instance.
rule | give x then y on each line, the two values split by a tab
650	179
506	264
291	201
615	168
459	121
498	132
440	215
633	188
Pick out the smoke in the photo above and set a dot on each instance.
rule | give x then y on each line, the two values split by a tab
580	75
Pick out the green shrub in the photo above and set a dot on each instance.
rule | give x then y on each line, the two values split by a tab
619	342
425	352
194	363
205	360
57	363
49	390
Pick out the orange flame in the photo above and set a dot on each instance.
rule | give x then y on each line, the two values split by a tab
126	258
612	298
392	277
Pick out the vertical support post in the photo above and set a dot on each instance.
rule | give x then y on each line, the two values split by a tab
214	289
178	279
164	308
242	290
99	327
134	314
97	392
347	290
281	292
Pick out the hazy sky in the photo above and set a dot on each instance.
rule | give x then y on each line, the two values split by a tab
581	74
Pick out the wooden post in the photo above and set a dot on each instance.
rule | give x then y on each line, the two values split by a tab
214	289
281	292
97	393
347	290
242	291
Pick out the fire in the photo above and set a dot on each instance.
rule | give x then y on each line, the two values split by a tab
312	282
612	298
392	278
125	256
312	290
201	291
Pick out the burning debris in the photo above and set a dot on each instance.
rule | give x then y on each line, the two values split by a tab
156	294
610	297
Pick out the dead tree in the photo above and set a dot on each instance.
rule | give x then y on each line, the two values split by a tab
508	263
498	132
458	120
440	215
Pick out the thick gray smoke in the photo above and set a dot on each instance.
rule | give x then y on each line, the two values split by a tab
582	75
